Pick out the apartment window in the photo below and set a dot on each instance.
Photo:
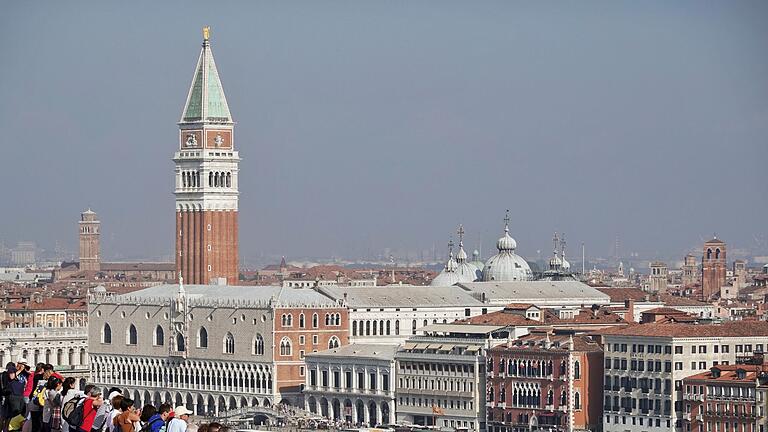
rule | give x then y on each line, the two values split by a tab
716	348
678	365
725	349
301	354
667	349
748	348
693	349
739	348
324	378
301	371
385	382
467	312
373	381
702	365
607	363
702	349
313	377
641	348
693	365
302	339
361	380
336	379
314	339
678	349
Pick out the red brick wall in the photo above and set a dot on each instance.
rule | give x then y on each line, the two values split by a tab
192	239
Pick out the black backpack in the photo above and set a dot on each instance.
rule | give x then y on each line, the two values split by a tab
72	411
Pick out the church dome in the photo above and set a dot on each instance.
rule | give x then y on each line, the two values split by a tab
566	265
466	271
506	265
448	276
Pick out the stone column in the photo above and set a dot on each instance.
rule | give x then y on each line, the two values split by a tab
366	412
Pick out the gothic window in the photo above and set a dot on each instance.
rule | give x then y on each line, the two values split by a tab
132	338
709	253
381	327
180	345
490	394
717	253
333	342
301	320
202	338
397	327
502	395
183	179
550	397
354	328
413	327
576	400
285	346
159	336
210	179
389	327
576	370
216	180
338	319
258	345
315	320
367	328
106	334
327	319
229	344
229	179
360	329
563	399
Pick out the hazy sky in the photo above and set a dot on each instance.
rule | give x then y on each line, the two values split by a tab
364	125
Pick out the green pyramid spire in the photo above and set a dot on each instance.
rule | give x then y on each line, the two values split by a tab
206	101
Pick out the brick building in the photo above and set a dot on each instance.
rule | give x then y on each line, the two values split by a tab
206	180
713	268
543	380
727	398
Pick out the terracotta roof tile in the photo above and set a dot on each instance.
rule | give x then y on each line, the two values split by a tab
727	329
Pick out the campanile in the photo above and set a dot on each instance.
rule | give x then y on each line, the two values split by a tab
206	180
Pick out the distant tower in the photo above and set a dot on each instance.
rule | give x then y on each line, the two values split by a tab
713	268
90	228
690	273
206	180
658	278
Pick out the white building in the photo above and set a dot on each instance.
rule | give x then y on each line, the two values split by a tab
441	377
645	366
354	383
393	313
65	348
542	293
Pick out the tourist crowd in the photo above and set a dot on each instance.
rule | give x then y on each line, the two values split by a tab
42	400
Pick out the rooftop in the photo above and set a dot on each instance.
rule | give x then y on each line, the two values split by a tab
732	329
401	295
281	296
377	352
537	291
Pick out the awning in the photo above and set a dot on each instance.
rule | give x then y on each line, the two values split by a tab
434	346
410	345
421	346
473	349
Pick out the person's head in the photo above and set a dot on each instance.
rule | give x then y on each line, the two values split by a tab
47	370
39	368
95	395
21	365
148	411
202	428
53	383
117	402
214	427
164	410
114	390
182	412
88	388
67	385
125	404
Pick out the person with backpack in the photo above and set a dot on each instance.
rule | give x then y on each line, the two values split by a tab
37	398
52	407
68	393
87	415
179	421
164	411
150	419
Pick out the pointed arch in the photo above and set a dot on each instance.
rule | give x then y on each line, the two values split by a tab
315	320
285	346
229	344
159	336
333	342
106	334
258	345
576	370
202	338
302	322
132	336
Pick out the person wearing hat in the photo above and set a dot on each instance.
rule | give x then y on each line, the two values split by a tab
13	390
180	419
104	415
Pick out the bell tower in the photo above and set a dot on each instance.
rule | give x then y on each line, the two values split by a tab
206	180
713	268
89	241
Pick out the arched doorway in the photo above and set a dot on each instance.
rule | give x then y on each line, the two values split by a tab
312	405
347	414
385	413
360	411
336	409
372	414
324	407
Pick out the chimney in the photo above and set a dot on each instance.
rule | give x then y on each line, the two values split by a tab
629	304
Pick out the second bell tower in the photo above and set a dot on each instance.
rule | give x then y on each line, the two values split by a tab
206	180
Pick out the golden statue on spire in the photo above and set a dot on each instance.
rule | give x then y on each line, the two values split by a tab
206	32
